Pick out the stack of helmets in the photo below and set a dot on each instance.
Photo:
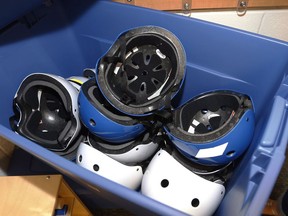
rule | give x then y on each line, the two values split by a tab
46	112
181	156
137	77
214	128
206	137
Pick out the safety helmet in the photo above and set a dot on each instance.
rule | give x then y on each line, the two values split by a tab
130	153
217	173
102	119
46	112
142	70
213	128
97	162
168	181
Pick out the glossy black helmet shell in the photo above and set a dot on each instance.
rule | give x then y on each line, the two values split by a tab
46	111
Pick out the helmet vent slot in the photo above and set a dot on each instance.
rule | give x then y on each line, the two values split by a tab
164	183
195	202
96	167
92	122
148	57
80	158
231	153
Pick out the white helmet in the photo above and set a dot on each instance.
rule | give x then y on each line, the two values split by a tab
98	162
46	112
129	153
168	181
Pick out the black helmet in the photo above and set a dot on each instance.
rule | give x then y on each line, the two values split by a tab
142	70
46	111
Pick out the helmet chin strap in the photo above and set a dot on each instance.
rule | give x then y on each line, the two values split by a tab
156	121
117	59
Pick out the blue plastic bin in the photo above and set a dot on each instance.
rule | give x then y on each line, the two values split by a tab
64	37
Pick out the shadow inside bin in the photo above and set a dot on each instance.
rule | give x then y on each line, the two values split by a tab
45	19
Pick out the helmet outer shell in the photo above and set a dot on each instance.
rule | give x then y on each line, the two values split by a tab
101	125
101	164
68	94
222	150
167	181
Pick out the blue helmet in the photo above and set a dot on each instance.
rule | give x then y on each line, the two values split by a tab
102	119
142	70
214	128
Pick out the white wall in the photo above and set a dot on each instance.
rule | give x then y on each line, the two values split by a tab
272	23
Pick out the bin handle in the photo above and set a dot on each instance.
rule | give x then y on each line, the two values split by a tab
275	122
